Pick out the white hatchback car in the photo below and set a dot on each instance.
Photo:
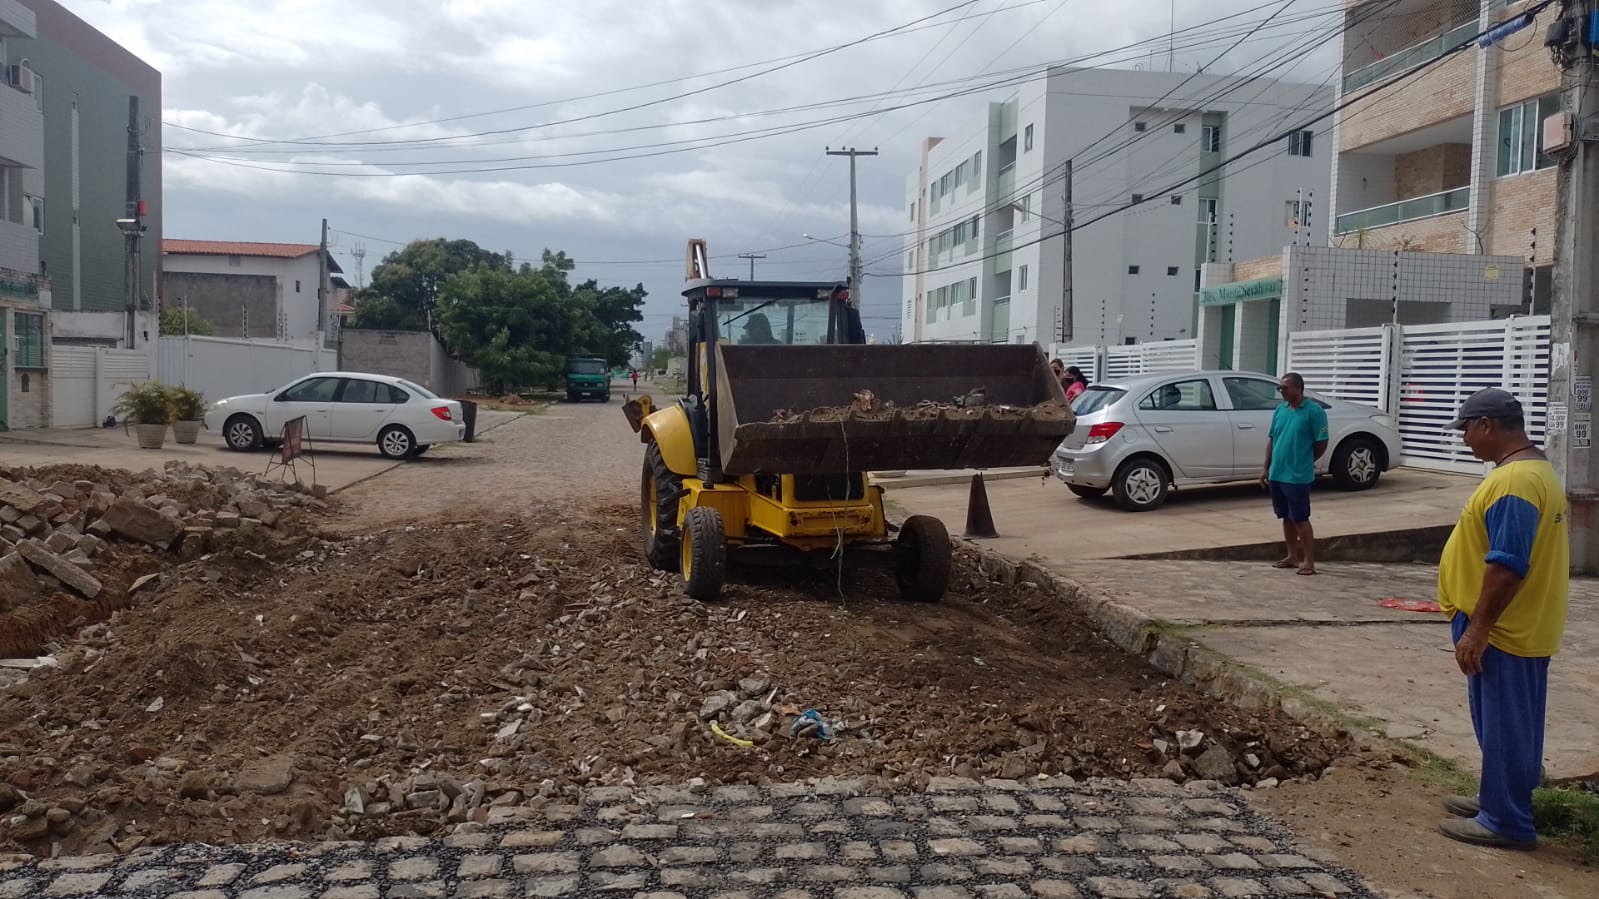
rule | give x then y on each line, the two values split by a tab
402	418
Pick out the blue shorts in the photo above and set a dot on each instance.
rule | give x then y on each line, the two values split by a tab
1291	502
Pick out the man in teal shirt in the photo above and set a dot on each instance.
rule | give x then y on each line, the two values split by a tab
1298	438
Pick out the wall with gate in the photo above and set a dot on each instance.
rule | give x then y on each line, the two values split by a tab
224	366
86	381
1422	373
1100	363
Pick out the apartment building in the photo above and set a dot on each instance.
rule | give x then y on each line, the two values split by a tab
986	206
24	292
91	90
1450	159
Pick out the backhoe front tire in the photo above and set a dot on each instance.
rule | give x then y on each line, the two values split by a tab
922	559
703	554
659	490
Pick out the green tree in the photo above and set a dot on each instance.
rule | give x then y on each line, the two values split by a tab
515	326
178	322
405	285
615	310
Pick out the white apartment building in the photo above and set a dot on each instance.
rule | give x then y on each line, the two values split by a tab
987	205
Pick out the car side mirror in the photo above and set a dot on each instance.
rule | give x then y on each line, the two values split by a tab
281	398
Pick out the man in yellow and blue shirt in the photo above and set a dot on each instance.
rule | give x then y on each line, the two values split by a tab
1502	580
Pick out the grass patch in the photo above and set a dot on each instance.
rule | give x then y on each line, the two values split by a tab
1569	814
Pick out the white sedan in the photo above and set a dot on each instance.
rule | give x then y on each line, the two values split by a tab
402	418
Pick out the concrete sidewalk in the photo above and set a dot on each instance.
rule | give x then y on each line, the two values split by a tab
1326	634
338	465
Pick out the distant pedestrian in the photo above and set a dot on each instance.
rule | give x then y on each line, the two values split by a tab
634	375
1502	581
1075	382
1298	438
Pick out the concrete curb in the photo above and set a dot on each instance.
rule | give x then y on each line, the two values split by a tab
940	480
1180	658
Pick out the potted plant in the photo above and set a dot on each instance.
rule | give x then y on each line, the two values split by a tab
188	408
149	406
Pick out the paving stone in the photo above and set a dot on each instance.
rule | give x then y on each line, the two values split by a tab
601	836
868	892
1003	803
1147	842
1019	845
1069	864
1149	823
801	852
688	877
19	888
1098	823
78	863
200	894
757	875
1210	807
690	855
1054	889
1184	863
753	813
550	862
744	853
899	850
618	880
1001	891
956	847
1202	842
1233	861
795	894
660	895
1288	886
280	873
80	883
955	803
475	867
363	891
533	839
830	827
1047	803
485	889
357	870
650	832
1326	883
150	877
889	873
991	823
941	892
1003	867
1046	822
1082	843
1254	844
220	875
944	871
869	806
858	851
827	874
414	869
1188	890
280	891
1277	860
1119	888
1237	887
736	794
554	886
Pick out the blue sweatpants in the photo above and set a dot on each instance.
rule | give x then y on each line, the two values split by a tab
1507	712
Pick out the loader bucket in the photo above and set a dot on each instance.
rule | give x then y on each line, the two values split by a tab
835	408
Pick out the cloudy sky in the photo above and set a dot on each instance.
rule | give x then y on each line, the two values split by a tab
612	130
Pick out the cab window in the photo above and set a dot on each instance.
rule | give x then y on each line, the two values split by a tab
1180	396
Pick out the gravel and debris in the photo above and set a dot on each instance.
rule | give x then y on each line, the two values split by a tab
310	685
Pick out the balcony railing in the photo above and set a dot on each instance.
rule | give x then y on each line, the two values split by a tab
1410	57
1002	245
1006	185
1406	210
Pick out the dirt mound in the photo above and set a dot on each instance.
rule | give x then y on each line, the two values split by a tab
411	680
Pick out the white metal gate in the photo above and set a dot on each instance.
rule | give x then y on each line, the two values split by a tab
85	382
1101	363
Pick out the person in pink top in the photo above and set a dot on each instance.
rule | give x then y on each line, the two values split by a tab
1074	382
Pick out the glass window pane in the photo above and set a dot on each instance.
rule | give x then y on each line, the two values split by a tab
1507	140
1529	134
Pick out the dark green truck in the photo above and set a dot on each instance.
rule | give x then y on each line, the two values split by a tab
588	376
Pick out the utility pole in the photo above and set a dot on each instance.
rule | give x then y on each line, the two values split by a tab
359	252
854	223
323	287
133	225
1066	264
1574	333
752	257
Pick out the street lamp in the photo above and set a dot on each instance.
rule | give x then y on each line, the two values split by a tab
826	241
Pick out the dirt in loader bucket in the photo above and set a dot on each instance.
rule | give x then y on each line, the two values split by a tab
819	409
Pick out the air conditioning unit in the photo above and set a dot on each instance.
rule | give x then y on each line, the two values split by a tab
1558	133
21	78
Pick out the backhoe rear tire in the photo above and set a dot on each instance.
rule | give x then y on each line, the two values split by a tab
703	554
659	491
922	559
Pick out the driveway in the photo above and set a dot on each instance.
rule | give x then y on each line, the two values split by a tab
337	465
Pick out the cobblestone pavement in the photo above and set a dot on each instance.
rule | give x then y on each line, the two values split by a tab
1052	839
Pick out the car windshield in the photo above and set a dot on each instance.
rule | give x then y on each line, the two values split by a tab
764	320
418	390
1096	398
586	367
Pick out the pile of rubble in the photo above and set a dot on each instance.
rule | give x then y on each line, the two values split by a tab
57	532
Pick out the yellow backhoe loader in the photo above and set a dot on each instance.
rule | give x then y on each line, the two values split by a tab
788	409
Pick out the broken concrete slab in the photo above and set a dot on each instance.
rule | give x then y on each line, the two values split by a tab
132	519
36	554
24	499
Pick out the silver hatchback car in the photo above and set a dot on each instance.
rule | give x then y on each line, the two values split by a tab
1141	436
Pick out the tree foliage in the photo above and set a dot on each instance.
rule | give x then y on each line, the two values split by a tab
515	324
176	321
405	285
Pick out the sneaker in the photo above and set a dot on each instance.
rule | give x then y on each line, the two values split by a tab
1462	806
1467	830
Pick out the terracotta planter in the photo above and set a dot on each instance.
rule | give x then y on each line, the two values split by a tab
185	431
151	436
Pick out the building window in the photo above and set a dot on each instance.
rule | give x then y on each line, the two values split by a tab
235	261
1196	280
977	165
35	211
1027	138
1138	198
1140	126
1132	269
913	210
1177	199
1299	142
1025	207
1207	210
1171	271
1179	128
1297	214
1210	139
30	340
1521	135
1021	279
297	285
